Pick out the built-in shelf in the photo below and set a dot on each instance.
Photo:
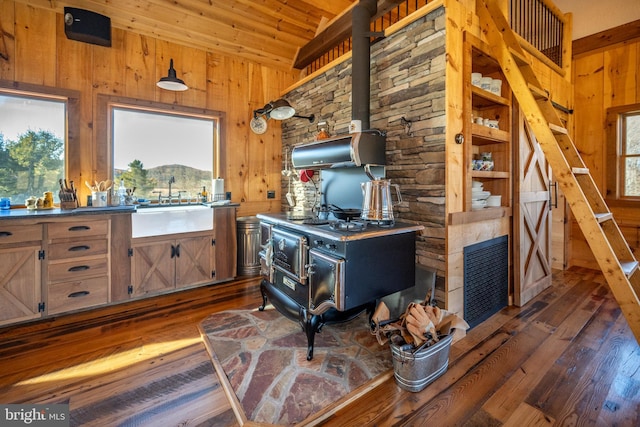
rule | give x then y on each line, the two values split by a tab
480	139
486	214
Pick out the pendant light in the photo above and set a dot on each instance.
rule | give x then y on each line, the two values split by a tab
172	82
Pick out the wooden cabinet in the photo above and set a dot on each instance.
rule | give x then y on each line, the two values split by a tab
492	138
20	272
77	264
170	262
226	244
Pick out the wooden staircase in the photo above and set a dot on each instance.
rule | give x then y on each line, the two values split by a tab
619	266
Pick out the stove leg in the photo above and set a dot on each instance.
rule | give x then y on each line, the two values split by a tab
312	325
264	296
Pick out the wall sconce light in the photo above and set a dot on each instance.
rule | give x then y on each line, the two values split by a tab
279	110
172	82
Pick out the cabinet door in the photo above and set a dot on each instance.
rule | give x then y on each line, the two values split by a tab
193	261
152	267
20	284
225	251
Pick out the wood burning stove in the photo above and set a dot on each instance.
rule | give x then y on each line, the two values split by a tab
318	274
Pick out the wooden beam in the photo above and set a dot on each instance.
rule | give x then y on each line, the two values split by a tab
335	33
606	38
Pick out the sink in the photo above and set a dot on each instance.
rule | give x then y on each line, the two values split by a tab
162	220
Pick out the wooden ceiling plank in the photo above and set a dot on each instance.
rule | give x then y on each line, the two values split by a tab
226	15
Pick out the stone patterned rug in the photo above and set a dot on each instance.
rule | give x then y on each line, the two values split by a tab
263	358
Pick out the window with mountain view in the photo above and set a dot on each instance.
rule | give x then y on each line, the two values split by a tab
153	148
623	151
32	145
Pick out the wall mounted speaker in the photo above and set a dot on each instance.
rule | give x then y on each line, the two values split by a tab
87	26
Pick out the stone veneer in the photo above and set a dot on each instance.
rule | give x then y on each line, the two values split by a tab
407	81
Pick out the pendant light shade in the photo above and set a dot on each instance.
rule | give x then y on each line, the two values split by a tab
172	82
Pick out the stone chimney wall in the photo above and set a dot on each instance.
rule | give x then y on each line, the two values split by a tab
408	104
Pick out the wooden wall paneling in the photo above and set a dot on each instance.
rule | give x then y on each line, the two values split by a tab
193	66
621	74
109	75
74	71
455	153
109	65
140	59
216	82
589	138
35	56
190	65
235	71
589	117
216	99
258	181
7	41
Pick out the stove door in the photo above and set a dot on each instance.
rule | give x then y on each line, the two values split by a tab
326	282
290	254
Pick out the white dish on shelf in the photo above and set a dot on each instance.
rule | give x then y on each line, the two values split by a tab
479	195
494	201
477	185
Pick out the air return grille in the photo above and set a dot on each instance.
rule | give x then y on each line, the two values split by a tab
486	279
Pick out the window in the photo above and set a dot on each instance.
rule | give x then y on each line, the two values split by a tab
623	152
158	148
32	144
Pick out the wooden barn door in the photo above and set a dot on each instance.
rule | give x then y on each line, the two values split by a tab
531	216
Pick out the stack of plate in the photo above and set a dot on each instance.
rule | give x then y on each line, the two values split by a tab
478	196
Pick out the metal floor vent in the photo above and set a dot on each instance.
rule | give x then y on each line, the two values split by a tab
486	279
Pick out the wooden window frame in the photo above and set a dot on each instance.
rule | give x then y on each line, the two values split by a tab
104	149
72	125
614	155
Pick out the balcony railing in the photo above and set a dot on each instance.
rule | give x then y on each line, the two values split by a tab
539	23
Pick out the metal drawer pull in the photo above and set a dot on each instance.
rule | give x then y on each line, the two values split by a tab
79	248
78	294
79	268
79	228
5	233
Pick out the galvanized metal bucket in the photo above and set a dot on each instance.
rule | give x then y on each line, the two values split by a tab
414	371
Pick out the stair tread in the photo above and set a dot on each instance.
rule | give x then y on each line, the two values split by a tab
629	267
537	92
604	216
580	171
558	130
520	59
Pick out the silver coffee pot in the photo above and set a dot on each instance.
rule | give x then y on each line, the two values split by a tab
376	199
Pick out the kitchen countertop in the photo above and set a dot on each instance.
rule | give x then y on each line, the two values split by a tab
57	212
371	231
23	213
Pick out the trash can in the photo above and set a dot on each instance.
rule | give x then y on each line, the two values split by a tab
248	228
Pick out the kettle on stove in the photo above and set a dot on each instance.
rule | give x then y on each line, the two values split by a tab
376	199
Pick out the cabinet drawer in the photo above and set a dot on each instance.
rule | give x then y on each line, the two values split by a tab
77	269
19	233
77	229
77	294
78	248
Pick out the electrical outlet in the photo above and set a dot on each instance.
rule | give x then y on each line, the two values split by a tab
271	194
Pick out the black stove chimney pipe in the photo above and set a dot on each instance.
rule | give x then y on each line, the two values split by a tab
360	61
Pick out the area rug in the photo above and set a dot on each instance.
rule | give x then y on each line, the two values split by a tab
261	360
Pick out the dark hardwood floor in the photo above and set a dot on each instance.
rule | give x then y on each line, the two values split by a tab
566	358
